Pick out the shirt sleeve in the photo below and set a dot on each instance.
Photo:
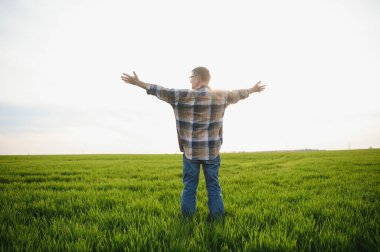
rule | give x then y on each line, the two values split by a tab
166	94
236	95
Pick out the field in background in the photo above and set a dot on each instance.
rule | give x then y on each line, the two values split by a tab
284	201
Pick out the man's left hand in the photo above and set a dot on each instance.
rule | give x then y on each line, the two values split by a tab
134	80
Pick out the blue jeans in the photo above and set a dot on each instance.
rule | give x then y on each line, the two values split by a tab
191	170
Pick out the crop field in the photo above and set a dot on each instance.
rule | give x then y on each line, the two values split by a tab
274	201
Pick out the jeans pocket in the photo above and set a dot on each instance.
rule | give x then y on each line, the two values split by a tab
213	161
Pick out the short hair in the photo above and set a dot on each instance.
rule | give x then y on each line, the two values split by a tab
203	73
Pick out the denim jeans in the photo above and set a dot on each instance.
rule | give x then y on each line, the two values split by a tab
191	170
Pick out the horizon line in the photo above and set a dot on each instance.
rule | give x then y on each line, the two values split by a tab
229	152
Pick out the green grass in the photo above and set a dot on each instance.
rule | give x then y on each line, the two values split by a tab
279	201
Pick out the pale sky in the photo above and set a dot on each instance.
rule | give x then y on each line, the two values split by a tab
61	62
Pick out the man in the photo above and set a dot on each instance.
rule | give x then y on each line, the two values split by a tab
199	119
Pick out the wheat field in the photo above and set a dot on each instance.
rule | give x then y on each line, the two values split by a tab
274	201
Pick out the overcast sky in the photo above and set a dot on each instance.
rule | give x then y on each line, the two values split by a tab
61	62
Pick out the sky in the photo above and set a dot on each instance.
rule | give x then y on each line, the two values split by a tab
61	62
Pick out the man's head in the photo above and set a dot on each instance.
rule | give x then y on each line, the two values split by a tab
200	77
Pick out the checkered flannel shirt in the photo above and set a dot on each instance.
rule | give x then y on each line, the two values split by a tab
199	117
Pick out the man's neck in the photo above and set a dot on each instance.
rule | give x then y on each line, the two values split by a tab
201	86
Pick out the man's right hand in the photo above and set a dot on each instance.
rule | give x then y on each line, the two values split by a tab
257	88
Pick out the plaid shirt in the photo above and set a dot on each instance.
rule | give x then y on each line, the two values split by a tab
199	117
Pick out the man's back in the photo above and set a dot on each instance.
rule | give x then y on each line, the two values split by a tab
199	117
199	121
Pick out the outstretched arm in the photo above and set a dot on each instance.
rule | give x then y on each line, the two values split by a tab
134	80
162	93
256	88
237	95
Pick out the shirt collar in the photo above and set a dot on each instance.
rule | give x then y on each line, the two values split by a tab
202	88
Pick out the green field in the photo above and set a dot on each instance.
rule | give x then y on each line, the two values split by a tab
274	201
